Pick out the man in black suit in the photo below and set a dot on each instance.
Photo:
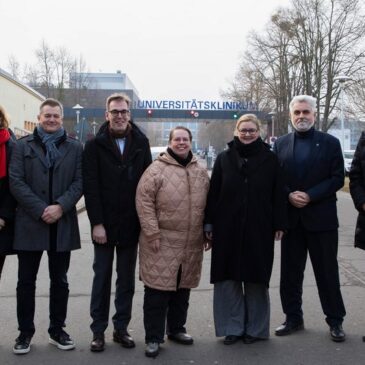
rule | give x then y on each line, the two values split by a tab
313	165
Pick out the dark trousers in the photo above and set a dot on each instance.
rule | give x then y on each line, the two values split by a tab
162	307
322	248
58	264
124	287
2	260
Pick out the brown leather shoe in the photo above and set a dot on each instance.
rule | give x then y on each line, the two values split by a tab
124	339
98	343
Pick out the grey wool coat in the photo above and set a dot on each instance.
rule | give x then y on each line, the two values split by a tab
30	185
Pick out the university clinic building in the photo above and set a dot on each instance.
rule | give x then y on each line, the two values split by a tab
155	117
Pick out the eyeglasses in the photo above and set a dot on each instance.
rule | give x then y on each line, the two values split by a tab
116	112
249	131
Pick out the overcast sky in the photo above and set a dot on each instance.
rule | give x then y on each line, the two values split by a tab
174	50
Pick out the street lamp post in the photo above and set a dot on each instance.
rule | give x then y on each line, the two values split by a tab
77	108
272	115
341	79
94	124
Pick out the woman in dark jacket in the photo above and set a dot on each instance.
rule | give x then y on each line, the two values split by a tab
245	213
357	190
7	202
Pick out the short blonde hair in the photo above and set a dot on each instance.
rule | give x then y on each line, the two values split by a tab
247	118
4	119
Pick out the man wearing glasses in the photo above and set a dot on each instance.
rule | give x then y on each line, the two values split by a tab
113	163
314	169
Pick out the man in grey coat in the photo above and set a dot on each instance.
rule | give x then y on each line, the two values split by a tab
46	180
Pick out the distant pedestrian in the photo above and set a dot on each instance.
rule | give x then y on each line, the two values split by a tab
170	200
113	163
246	212
7	202
45	179
314	171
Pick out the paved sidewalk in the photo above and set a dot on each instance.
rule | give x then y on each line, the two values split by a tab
311	346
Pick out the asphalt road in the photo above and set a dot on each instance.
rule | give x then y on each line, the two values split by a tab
312	346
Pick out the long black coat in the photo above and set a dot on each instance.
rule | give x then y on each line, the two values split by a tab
357	190
245	208
110	183
7	205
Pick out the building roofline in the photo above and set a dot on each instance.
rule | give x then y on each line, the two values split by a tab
25	87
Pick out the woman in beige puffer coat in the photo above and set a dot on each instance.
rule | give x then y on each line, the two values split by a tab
170	201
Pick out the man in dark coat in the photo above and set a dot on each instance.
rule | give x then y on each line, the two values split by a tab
113	163
46	180
314	170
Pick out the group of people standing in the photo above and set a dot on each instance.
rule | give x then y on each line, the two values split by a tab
168	212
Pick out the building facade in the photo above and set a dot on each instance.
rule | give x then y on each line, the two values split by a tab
21	102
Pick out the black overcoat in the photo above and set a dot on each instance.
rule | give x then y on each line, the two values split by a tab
245	207
110	182
357	190
7	205
323	176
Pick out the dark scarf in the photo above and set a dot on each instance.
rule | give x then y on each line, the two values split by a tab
124	134
4	137
178	159
247	150
119	135
246	155
50	141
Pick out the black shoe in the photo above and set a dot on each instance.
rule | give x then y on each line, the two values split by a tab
22	344
231	339
181	337
337	333
124	339
152	349
289	327
62	340
98	342
247	339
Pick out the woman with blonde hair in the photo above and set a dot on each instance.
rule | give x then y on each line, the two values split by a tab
7	202
245	213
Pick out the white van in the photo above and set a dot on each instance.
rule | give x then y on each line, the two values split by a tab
156	150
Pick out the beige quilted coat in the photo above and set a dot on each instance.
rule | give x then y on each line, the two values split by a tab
170	203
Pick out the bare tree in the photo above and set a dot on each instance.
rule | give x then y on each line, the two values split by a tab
31	76
14	67
301	51
63	65
45	57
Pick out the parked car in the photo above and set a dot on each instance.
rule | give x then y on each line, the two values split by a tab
348	155
156	150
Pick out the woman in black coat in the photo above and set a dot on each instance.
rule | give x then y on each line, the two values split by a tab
357	190
245	213
7	202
